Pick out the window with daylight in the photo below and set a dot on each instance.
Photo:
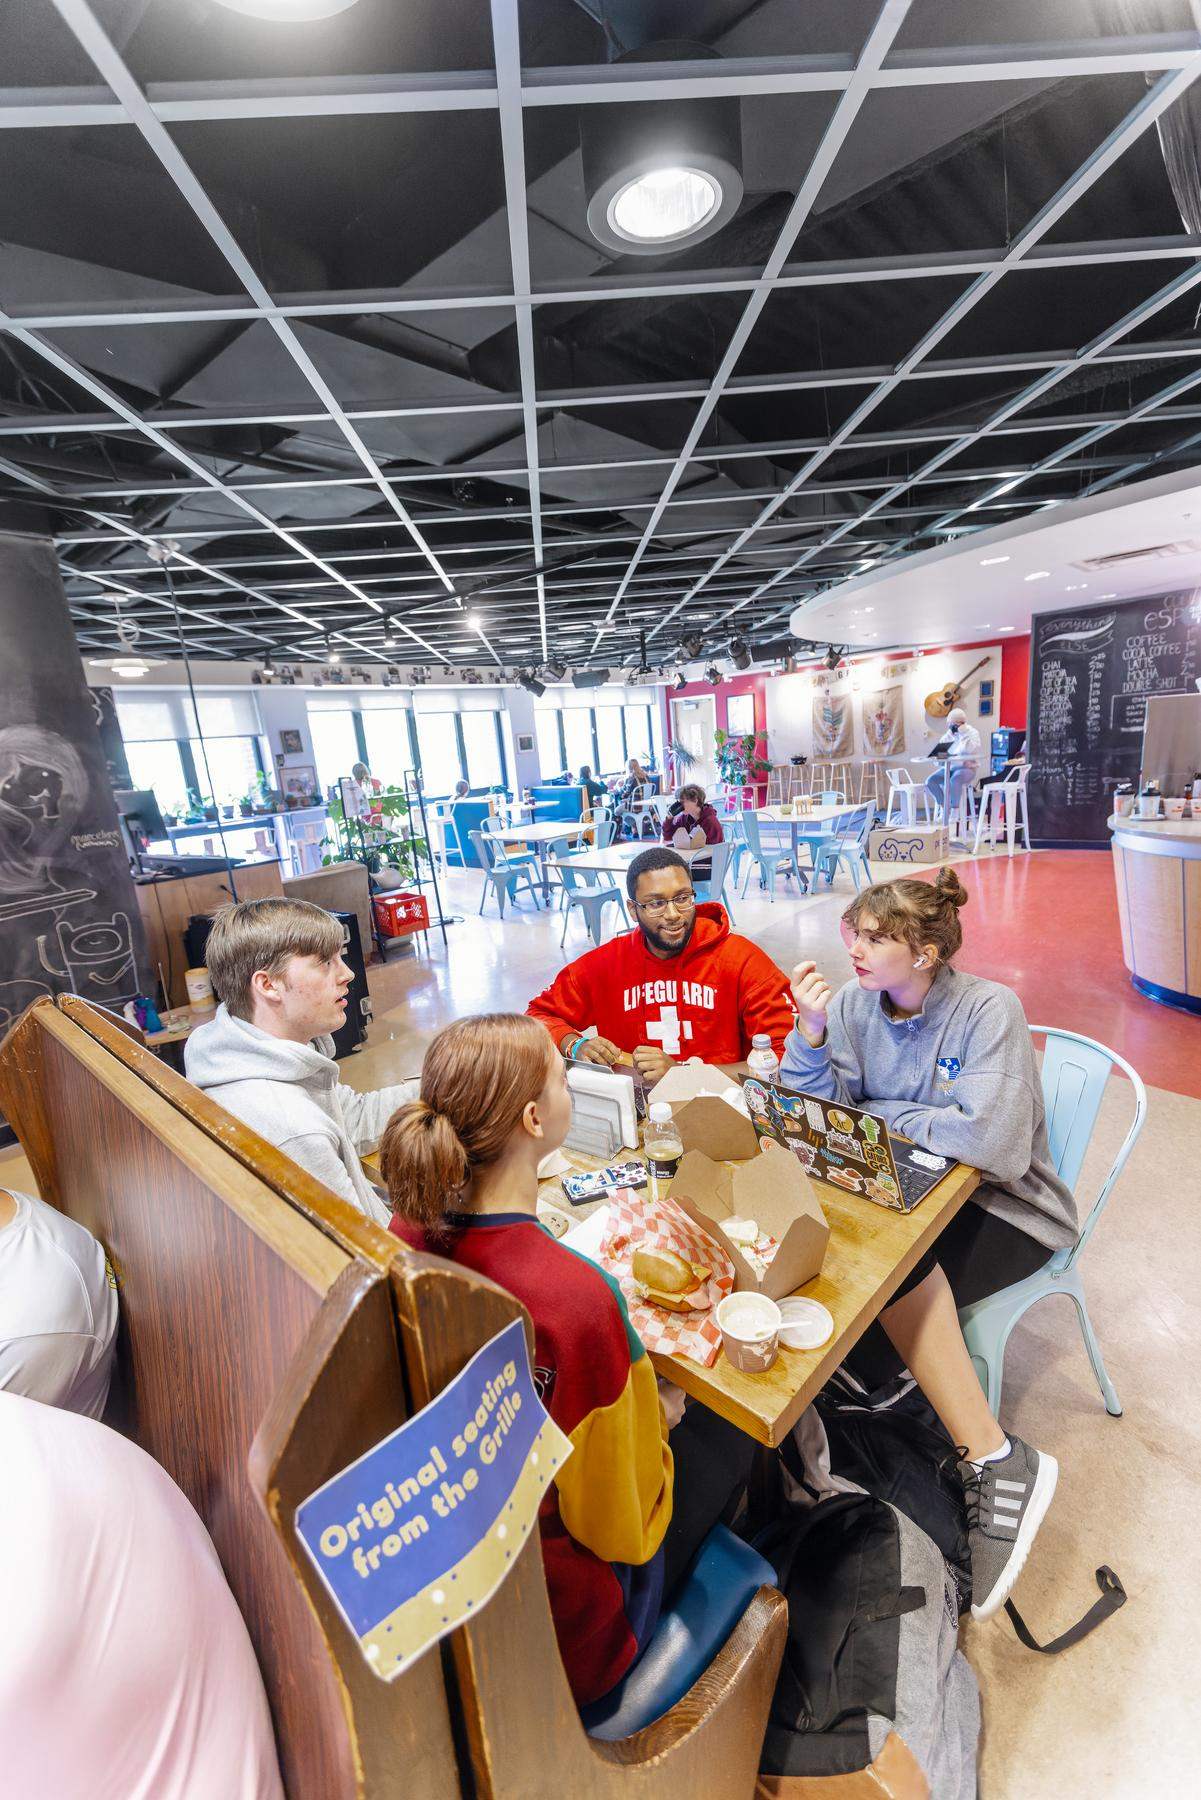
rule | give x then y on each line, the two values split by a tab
577	733
438	748
232	764
550	745
481	745
638	732
389	746
157	765
335	744
611	741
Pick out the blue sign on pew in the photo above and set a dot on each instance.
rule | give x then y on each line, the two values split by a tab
418	1534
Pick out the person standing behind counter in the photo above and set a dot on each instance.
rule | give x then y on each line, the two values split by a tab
945	1058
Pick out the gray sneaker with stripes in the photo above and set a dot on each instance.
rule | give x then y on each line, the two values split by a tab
1006	1503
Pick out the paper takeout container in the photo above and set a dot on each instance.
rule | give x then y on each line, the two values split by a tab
773	1190
704	1120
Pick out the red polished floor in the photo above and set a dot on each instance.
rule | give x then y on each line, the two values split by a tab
1047	925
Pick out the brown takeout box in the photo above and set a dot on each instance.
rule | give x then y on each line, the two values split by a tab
775	1191
704	1120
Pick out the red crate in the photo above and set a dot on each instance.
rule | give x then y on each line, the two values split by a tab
397	915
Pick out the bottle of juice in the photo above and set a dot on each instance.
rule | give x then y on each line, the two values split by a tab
763	1062
662	1144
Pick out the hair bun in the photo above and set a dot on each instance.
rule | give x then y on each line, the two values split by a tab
948	886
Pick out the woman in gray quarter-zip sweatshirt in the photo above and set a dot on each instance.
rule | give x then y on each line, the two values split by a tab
946	1060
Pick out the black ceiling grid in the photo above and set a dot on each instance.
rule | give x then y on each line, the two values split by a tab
321	304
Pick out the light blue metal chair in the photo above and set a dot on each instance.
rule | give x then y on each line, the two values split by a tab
713	885
1075	1070
832	797
735	836
584	894
846	844
604	830
504	875
770	858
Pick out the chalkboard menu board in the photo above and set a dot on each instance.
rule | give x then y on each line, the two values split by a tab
69	921
1091	673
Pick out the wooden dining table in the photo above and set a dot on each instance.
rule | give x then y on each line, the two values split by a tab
870	1252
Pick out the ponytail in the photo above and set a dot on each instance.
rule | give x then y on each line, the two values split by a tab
478	1077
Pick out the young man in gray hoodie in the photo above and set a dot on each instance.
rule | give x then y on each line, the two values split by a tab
267	1056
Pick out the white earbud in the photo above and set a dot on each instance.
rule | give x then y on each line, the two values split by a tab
920	963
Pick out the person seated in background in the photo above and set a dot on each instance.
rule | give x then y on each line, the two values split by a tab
627	1512
596	789
681	984
58	1308
125	1666
636	777
267	1056
462	791
692	821
945	1059
960	744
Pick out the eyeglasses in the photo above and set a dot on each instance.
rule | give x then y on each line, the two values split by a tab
656	908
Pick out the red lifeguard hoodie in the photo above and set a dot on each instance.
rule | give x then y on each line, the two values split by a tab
709	1001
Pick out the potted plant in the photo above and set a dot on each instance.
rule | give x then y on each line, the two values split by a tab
246	804
388	848
738	760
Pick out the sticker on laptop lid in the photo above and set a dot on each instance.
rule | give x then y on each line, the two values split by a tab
926	1160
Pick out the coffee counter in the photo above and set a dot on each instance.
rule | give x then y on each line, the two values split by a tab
1157	871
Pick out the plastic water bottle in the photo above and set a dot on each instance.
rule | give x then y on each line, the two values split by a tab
763	1062
662	1144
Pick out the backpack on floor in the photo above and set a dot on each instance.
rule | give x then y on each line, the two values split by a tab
871	1654
893	1445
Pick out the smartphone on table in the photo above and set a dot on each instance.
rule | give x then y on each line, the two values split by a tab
581	1188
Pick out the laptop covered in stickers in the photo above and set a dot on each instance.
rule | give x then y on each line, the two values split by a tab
850	1149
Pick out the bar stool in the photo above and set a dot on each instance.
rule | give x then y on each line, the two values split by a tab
962	816
1007	798
775	785
870	771
906	795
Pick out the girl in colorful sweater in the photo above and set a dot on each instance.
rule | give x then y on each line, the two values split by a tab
461	1166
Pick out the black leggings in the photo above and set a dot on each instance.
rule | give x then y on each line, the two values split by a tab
979	1254
712	1466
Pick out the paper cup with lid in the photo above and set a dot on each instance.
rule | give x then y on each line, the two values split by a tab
750	1331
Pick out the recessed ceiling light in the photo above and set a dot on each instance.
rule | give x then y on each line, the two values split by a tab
1075	587
663	204
1108	596
475	622
1038	575
289	12
868	609
1004	627
987	561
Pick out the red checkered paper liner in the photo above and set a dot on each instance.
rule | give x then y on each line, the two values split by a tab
638	1223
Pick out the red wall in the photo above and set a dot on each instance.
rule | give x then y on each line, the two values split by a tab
1015	682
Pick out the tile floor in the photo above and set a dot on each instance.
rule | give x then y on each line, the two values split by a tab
1111	1717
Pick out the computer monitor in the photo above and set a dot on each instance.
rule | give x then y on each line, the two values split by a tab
141	809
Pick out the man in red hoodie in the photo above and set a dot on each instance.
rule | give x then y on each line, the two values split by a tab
680	985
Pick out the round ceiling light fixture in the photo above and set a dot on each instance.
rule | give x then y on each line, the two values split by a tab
664	175
129	668
288	12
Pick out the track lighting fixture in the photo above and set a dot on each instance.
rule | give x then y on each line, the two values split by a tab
554	669
531	684
713	675
739	653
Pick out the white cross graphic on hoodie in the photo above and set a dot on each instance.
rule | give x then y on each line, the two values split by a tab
667	1029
